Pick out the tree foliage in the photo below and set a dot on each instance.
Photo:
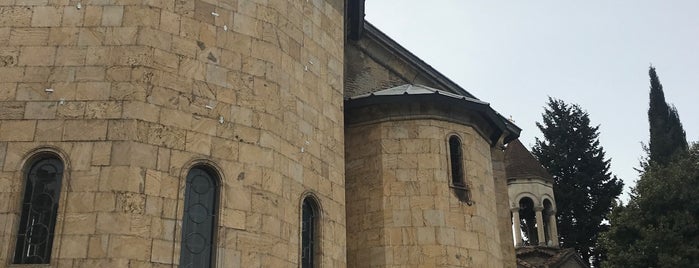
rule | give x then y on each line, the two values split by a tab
583	186
667	136
659	227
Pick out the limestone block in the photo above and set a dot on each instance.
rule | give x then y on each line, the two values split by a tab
121	129
103	110
49	130
87	263
29	36
73	246
40	110
93	36
90	73
168	186
11	74
163	159
81	155
224	149
112	15
154	38
154	206
118	73
184	46
71	110
217	75
64	36
7	91
170	209
233	219
162	251
140	16
15	16
37	56
4	35
153	179
46	16
192	69
93	16
72	16
17	130
121	178
36	74
98	245
236	198
166	61
161	135
169	22
207	39
79	223
198	143
86	130
245	24
70	56
105	202
113	223
129	247
121	35
85	180
140	110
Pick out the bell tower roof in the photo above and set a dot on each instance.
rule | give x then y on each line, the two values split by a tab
520	163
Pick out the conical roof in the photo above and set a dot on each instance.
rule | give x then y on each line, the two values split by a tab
520	163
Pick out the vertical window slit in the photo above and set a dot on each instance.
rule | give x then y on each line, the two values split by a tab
39	210
199	219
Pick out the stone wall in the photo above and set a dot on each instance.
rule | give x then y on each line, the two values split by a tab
401	210
503	208
143	90
372	66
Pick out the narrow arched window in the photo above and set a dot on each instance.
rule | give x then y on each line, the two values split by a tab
456	162
198	222
309	232
39	210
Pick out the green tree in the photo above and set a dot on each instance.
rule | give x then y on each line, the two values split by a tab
583	185
667	137
659	227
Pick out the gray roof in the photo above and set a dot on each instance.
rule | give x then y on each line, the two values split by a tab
409	89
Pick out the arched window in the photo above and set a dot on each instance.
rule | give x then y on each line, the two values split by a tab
457	162
309	232
39	209
198	222
527	218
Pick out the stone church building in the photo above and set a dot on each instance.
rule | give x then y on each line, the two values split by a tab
240	133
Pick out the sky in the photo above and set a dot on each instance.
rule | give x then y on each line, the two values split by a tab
594	53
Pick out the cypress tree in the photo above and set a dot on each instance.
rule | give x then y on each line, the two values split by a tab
667	136
585	189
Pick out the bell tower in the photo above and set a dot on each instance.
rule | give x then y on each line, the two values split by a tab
531	197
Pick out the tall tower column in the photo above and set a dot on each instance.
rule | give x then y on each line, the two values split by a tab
540	225
553	230
518	229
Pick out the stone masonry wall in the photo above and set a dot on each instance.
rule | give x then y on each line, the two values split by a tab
503	206
420	222
371	67
143	90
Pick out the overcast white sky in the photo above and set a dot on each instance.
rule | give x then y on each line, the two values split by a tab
596	53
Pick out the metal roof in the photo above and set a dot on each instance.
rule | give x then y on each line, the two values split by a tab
409	89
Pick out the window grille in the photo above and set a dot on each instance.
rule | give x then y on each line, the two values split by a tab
198	222
39	211
309	233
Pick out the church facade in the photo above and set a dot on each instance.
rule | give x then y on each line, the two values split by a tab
248	133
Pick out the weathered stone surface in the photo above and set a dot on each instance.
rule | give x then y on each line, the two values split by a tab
399	196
